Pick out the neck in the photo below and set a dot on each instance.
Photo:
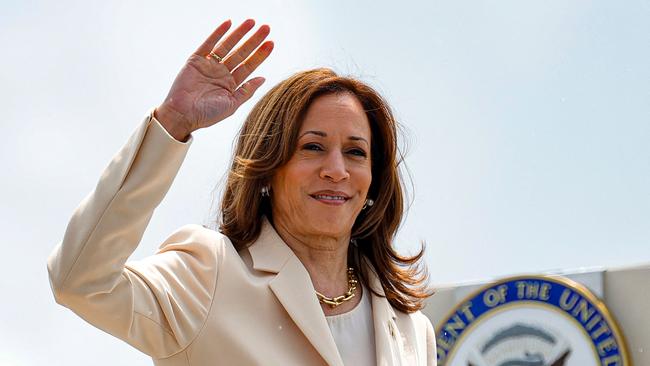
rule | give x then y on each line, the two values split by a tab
324	257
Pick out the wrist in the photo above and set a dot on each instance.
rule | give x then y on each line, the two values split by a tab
171	123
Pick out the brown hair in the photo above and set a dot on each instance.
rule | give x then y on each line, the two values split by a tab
267	141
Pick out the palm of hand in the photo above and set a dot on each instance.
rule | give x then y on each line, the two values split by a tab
208	89
203	93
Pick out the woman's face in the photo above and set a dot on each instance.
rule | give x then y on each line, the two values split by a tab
322	189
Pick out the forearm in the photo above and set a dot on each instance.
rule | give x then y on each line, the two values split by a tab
108	225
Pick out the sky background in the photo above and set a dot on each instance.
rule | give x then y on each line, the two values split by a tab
528	126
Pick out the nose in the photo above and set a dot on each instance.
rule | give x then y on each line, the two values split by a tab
334	168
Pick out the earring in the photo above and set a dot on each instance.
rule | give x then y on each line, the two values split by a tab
369	203
265	191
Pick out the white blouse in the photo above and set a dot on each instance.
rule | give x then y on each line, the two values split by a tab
354	333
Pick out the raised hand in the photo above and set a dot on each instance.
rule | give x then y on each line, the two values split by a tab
210	86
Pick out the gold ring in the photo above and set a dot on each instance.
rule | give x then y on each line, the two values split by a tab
215	56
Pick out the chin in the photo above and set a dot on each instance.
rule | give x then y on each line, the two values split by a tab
332	226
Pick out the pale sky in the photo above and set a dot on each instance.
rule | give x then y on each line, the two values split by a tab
528	126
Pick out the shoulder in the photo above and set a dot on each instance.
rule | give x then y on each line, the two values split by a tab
421	325
419	317
419	335
196	233
420	322
191	249
424	322
426	327
195	239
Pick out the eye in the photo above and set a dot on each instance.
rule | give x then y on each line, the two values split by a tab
312	146
358	152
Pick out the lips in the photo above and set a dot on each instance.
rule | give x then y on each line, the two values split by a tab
332	197
328	197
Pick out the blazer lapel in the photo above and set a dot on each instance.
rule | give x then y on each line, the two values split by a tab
293	288
388	340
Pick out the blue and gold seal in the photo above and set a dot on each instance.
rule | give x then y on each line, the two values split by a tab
531	321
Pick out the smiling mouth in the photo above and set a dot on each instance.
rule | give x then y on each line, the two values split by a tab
330	198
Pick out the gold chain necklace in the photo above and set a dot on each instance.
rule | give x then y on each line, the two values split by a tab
336	301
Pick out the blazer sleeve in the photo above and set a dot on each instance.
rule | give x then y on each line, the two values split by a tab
158	304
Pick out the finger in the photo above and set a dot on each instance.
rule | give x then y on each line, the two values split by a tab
205	48
247	48
227	44
247	67
246	90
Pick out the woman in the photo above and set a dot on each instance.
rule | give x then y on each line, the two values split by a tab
302	271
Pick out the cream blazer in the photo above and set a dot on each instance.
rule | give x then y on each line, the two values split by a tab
198	301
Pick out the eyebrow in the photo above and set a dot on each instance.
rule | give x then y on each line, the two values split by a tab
323	134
